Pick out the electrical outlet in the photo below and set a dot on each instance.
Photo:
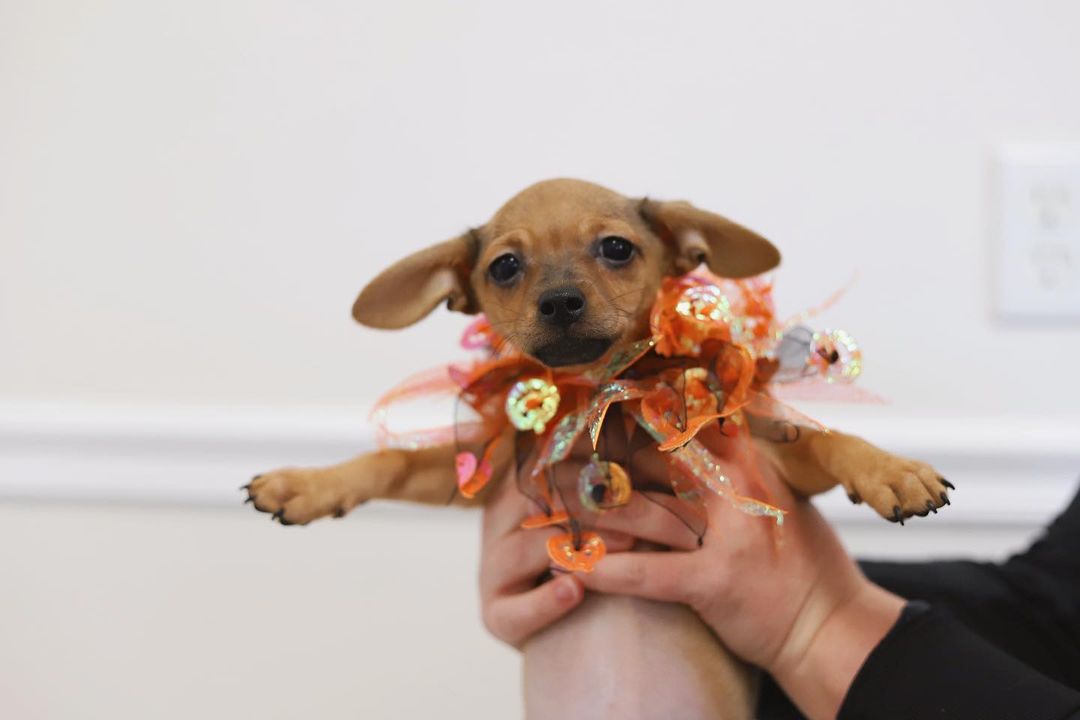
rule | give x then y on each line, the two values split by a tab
1038	269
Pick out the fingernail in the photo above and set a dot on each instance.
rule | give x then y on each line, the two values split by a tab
566	591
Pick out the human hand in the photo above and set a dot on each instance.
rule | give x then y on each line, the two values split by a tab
516	602
787	599
519	596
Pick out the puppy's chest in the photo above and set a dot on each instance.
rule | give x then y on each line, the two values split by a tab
622	447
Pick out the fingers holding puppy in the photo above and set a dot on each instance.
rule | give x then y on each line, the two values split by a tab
519	593
521	596
514	618
645	517
516	601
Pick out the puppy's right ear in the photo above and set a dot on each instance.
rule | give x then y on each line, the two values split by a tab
406	292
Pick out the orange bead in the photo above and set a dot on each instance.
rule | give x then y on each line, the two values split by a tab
562	552
603	485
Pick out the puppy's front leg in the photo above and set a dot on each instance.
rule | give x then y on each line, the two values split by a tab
812	462
297	496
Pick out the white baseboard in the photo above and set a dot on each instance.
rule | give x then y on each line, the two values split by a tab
1008	470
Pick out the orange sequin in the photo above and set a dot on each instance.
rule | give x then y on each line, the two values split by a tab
565	555
541	521
479	473
714	353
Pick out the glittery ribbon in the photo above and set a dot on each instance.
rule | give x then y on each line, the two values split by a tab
716	358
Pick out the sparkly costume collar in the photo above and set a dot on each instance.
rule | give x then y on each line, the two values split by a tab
716	355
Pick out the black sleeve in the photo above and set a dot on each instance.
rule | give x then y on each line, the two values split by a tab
1027	608
930	666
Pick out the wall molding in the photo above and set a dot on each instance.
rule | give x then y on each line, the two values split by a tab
1008	470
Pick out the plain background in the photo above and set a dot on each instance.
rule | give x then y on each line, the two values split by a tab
191	193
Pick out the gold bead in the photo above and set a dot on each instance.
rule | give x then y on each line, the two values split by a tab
603	485
532	404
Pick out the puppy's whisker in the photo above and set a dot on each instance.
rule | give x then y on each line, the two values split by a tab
613	298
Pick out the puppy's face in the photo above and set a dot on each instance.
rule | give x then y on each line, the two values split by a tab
566	271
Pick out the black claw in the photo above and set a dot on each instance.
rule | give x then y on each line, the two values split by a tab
250	498
930	506
896	515
339	513
854	498
246	487
283	521
947	484
945	499
278	515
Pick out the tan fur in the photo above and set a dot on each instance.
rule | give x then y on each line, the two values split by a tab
554	227
552	224
628	659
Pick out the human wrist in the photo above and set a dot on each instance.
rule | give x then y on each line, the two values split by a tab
817	673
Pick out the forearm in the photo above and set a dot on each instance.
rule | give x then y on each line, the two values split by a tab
925	665
819	677
957	675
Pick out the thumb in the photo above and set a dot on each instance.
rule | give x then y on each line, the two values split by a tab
515	618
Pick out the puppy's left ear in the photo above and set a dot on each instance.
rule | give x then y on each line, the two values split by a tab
698	236
409	290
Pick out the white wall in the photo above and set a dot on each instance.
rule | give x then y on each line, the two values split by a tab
192	192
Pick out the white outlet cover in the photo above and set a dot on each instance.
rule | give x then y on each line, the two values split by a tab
1038	259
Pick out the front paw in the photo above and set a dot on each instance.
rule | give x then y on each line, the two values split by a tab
898	488
296	496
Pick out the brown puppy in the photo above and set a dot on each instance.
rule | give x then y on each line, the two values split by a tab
567	271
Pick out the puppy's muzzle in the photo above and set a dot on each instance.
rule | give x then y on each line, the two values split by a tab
562	308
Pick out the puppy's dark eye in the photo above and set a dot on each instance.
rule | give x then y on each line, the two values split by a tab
504	268
616	250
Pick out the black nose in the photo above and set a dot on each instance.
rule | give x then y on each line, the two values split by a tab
563	307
